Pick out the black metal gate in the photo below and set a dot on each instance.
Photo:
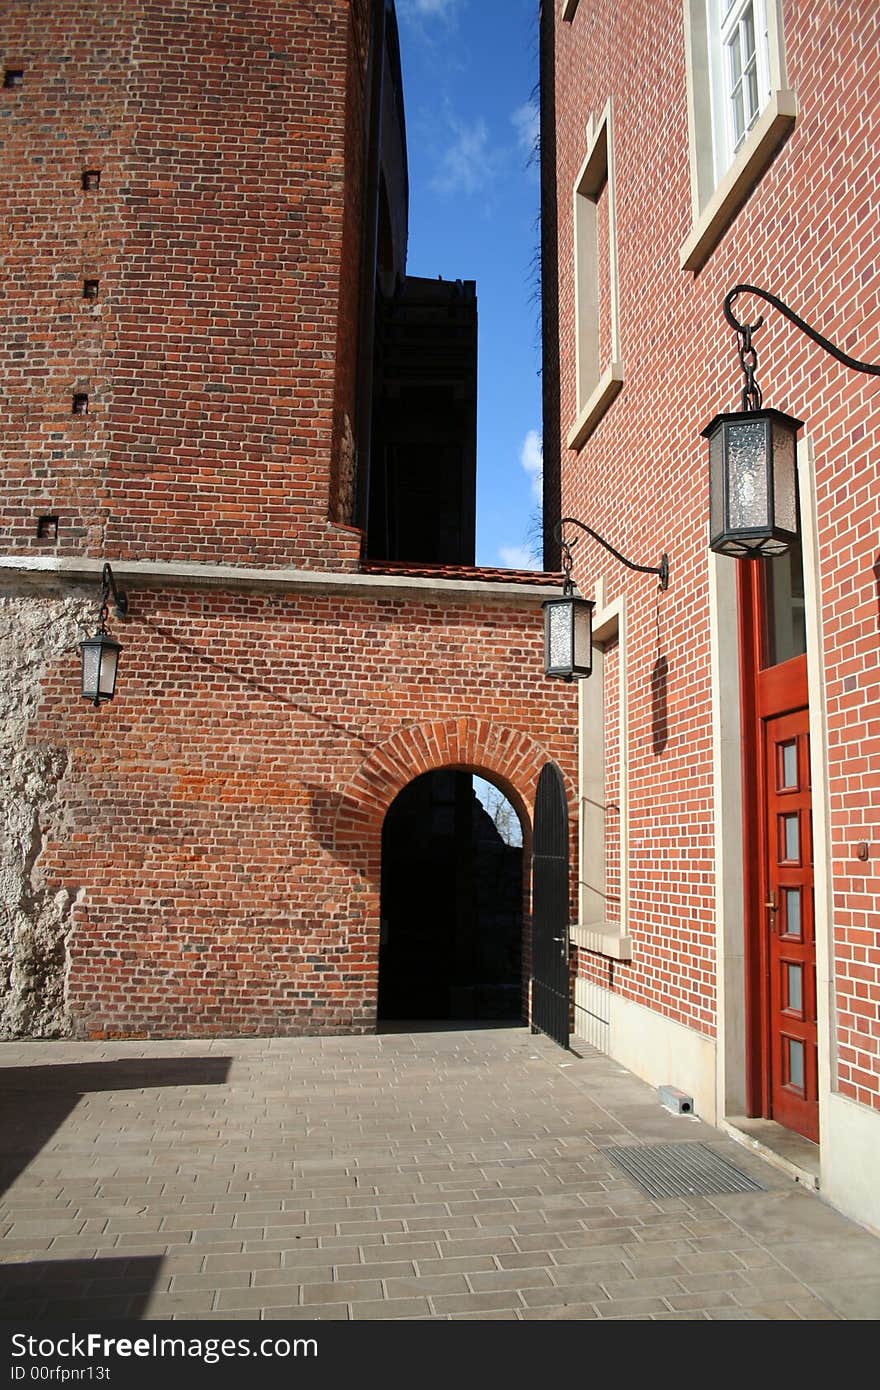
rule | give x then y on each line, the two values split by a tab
550	983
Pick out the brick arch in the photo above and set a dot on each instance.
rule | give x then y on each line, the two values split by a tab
506	756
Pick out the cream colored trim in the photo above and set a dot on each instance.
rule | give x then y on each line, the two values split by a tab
597	383
699	104
604	942
776	44
568	9
593	932
772	128
729	847
606	389
39	571
824	904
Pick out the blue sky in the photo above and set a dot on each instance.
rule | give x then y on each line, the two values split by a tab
469	73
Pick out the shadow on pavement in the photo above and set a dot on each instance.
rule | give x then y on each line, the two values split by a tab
35	1101
112	1288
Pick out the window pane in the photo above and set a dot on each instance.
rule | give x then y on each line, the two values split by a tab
747	31
795	1051
791	840
789	765
785	630
739	117
751	85
792	901
794	994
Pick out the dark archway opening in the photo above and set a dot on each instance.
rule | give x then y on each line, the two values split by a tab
452	899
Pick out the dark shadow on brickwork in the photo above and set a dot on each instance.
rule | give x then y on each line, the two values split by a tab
244	686
73	1289
326	805
660	704
876	568
35	1101
550	388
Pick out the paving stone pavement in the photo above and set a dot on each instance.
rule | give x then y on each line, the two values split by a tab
445	1174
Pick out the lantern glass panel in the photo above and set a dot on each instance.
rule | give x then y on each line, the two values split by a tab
91	661
716	482
747	475
583	637
560	617
109	659
784	477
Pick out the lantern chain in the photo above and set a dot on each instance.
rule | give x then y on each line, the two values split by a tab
752	397
567	565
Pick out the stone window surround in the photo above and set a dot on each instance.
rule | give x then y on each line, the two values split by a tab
597	383
593	932
714	205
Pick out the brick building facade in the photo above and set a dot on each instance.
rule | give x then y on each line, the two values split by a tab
728	935
203	207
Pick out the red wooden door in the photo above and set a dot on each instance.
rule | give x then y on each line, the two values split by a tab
790	980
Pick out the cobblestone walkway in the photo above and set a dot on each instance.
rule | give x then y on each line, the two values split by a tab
426	1175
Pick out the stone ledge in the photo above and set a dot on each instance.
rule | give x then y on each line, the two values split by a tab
603	941
40	571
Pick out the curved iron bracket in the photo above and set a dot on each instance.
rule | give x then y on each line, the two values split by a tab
745	330
120	597
662	570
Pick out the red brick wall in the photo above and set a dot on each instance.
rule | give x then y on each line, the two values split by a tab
809	232
210	355
225	810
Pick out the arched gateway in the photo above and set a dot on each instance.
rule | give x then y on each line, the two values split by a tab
506	757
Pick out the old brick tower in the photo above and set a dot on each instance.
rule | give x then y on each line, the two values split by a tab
217	376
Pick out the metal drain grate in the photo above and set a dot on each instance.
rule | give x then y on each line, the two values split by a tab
681	1170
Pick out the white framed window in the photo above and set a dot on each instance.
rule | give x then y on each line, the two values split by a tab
740	110
739	70
598	365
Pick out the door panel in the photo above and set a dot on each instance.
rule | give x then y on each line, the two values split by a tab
550	896
789	923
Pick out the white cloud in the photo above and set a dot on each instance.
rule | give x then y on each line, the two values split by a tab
531	457
527	121
426	9
515	557
468	165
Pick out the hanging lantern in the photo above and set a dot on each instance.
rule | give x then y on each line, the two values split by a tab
752	483
100	657
100	654
568	637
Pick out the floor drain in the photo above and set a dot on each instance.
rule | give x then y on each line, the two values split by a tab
681	1170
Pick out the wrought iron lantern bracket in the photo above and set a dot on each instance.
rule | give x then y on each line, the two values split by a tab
753	506
661	570
752	397
120	597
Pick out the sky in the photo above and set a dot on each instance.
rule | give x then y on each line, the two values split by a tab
470	69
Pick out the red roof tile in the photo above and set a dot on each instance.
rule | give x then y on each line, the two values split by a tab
478	573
